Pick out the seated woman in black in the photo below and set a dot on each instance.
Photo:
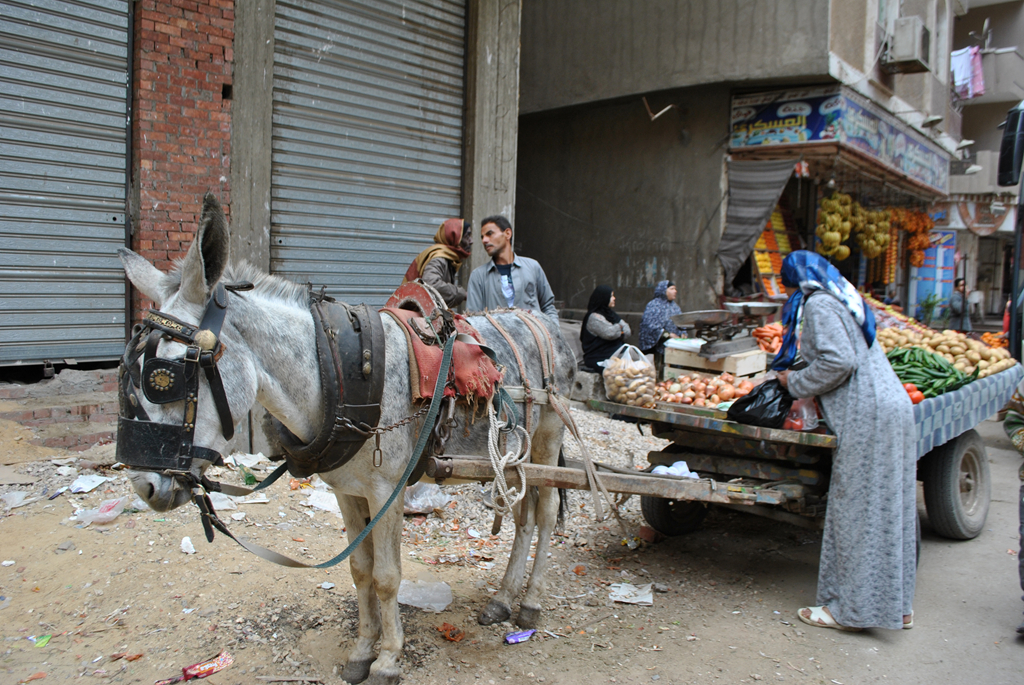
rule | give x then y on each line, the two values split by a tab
603	331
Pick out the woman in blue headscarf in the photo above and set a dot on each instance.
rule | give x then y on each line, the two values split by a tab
868	550
657	322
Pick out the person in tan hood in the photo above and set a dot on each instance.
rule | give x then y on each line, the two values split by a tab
438	265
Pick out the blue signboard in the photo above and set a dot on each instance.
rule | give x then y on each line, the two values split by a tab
936	275
834	114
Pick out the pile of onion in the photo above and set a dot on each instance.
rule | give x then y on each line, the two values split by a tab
702	391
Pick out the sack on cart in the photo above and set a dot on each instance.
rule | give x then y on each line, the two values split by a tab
767	405
629	378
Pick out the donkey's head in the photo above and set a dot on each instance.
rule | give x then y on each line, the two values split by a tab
183	295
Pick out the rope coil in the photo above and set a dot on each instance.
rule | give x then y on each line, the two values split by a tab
503	496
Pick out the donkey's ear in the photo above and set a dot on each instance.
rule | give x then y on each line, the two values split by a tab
150	281
208	256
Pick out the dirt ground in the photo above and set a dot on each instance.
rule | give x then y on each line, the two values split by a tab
728	614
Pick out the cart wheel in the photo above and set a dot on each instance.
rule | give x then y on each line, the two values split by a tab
671	516
957	487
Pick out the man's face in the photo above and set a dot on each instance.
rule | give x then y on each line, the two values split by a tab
494	239
962	287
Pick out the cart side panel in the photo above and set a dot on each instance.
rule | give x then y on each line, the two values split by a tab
941	419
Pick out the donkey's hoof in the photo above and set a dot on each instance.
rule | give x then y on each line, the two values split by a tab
494	612
380	678
528	617
356	671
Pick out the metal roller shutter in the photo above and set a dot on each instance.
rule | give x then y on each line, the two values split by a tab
63	98
367	138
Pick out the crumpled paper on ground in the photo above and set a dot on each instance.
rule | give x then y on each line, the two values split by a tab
632	594
325	501
88	483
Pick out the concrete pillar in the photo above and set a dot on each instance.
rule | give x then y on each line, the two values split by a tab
252	119
251	127
492	115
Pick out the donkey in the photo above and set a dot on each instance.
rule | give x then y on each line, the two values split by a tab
270	357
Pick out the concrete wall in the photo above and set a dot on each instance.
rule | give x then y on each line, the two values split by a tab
251	130
492	116
606	196
580	51
849	34
980	122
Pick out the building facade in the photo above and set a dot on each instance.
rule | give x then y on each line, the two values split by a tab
628	150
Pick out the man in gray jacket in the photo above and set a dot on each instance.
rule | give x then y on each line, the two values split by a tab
508	280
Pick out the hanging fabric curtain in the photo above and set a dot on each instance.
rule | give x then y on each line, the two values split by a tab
754	190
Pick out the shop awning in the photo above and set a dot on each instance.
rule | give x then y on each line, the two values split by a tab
754	190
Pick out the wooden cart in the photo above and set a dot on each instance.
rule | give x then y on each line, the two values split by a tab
780	474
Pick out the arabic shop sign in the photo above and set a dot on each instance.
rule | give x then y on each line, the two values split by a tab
833	114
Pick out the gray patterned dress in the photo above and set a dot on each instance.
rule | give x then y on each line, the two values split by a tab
868	550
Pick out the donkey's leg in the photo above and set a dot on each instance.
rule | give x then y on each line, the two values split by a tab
360	657
387	576
547	442
500	606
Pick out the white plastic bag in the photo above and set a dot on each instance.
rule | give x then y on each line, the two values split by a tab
425	595
107	511
423	498
629	378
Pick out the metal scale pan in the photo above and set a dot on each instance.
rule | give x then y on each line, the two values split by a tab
702	319
749	309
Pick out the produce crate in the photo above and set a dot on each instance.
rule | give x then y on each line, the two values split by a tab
741	365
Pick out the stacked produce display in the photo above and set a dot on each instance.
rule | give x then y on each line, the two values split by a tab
954	350
702	391
840	217
776	241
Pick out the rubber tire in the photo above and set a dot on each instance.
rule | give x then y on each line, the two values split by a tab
957	487
672	517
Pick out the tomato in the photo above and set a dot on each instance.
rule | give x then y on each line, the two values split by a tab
917	397
910	387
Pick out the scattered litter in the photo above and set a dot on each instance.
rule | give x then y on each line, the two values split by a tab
423	498
140	504
679	469
186	545
59	492
8	476
554	635
299	484
35	676
425	595
325	501
691	638
43	641
188	611
247	460
632	594
255	499
65	471
580	569
521	636
8	563
13	500
327	586
222	502
659	587
238	516
108	511
450	632
201	670
88	483
473	533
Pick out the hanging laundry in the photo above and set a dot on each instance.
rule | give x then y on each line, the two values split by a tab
968	73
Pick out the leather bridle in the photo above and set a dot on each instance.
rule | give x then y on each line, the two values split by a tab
162	447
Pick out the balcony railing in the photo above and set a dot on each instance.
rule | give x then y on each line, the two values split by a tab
1004	76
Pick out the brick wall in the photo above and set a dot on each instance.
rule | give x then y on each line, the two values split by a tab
182	128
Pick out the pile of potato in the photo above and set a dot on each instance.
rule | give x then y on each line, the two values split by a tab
962	352
629	382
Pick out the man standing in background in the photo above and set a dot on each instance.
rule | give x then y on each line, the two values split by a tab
508	280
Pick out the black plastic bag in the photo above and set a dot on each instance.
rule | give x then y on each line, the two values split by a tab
766	405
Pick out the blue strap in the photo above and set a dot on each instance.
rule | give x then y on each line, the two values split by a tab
421	444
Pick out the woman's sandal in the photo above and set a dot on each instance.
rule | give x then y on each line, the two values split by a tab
907	625
820	618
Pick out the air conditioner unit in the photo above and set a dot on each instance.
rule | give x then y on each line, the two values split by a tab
909	46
